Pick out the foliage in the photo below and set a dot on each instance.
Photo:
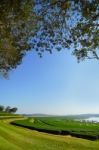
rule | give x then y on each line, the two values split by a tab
16	25
69	25
7	110
1	108
13	110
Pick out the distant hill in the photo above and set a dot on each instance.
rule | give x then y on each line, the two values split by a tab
78	116
38	115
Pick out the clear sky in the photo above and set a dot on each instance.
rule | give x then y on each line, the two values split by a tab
54	84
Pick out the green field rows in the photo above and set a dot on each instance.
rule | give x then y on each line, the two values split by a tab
62	126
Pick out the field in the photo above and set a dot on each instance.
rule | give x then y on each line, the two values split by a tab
19	138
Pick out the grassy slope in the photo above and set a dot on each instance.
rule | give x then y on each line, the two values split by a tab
17	138
4	115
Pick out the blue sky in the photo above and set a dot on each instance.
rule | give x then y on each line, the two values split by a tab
54	84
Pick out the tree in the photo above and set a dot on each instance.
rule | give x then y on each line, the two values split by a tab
16	26
7	109
1	108
13	110
45	25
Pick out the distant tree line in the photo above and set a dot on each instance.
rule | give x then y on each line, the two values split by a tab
8	109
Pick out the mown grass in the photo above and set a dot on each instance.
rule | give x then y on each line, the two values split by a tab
17	138
62	126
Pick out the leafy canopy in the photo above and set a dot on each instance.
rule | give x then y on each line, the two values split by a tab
17	22
45	25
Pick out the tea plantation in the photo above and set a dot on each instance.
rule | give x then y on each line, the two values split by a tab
62	126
